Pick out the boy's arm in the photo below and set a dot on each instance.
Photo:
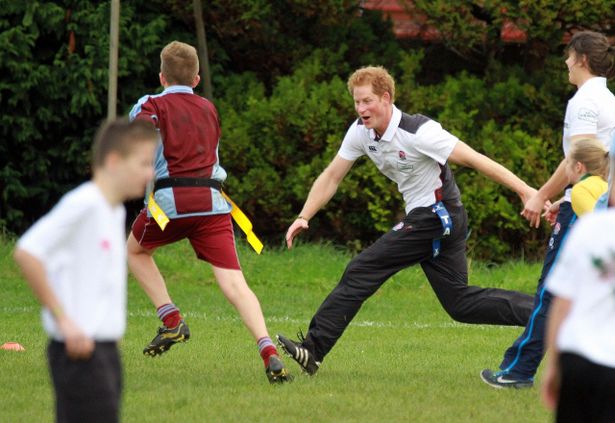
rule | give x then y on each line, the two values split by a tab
465	155
144	110
78	345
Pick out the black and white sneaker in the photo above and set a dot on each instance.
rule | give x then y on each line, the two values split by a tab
299	353
502	380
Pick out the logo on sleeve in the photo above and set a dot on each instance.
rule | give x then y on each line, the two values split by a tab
587	115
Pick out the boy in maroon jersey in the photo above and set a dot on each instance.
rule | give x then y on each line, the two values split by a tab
187	189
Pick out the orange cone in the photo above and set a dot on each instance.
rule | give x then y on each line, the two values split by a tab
12	346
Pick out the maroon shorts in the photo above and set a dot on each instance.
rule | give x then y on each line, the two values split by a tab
211	237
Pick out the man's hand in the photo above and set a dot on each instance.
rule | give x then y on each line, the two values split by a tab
527	194
79	346
533	209
299	225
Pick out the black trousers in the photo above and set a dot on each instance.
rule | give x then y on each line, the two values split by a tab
587	392
447	273
86	390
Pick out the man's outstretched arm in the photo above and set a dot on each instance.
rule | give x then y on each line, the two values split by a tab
321	192
465	155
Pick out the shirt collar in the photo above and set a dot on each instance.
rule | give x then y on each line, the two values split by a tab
390	131
178	89
596	81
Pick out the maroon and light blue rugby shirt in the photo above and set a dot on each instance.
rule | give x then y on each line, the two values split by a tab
189	133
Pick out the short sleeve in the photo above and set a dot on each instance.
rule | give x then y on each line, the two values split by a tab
145	110
435	142
352	147
584	198
53	229
583	117
568	269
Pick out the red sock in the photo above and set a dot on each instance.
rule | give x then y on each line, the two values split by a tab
172	319
169	314
267	352
266	349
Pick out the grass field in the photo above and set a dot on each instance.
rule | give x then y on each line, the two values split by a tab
401	360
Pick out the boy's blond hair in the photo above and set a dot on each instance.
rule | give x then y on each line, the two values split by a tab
179	63
592	154
376	76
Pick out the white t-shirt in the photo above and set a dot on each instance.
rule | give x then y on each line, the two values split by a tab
585	275
82	244
590	111
412	152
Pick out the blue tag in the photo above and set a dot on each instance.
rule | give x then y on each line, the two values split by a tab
435	246
447	225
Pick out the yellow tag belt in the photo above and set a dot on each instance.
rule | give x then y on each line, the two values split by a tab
238	216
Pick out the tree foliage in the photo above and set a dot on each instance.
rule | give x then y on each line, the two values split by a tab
270	38
473	28
53	59
276	145
279	70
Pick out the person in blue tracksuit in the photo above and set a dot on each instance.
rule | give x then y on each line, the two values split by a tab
590	114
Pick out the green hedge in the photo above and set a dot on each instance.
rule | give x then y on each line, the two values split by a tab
53	96
282	121
274	146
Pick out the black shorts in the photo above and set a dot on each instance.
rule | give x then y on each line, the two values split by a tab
86	390
587	392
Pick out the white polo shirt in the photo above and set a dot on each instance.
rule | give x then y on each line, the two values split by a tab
590	111
585	274
412	152
82	244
